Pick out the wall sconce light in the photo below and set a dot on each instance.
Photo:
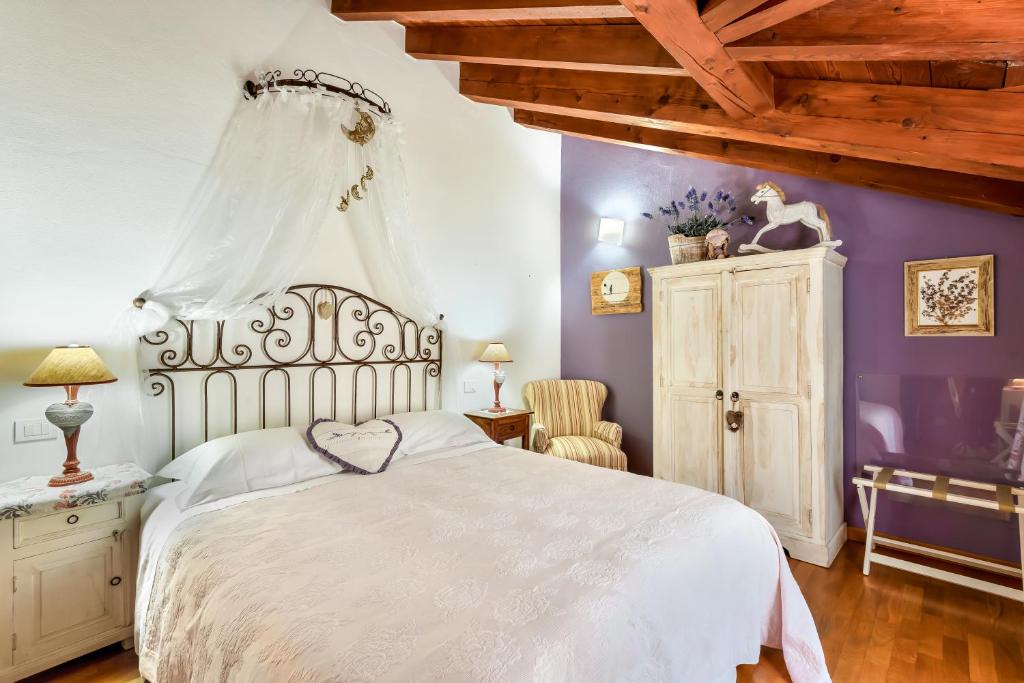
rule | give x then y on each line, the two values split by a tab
610	230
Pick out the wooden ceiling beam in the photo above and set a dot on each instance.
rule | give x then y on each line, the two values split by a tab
870	30
935	51
721	13
910	108
768	17
972	132
677	102
426	11
991	194
615	48
742	90
880	21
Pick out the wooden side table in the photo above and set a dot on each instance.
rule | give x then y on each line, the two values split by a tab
68	563
501	427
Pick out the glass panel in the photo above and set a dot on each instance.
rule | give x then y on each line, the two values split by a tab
957	426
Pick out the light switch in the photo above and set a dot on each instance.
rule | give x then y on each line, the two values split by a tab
469	387
33	430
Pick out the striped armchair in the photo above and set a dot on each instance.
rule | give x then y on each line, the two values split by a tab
567	422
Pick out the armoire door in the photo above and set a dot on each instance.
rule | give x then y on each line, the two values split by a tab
688	375
768	459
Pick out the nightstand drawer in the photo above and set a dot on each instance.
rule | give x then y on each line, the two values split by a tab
510	430
29	530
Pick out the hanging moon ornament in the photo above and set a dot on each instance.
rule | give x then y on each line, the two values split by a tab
353	192
363	132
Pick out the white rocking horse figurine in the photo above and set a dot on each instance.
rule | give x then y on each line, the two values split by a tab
779	213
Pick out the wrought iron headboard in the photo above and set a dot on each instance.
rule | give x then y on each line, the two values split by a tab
316	341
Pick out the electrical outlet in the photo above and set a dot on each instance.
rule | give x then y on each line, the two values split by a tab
33	430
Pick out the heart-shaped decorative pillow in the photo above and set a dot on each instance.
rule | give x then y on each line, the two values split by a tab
366	449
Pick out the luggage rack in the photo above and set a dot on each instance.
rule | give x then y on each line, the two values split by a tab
1007	499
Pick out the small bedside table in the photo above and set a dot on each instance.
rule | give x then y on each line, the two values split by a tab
69	554
500	427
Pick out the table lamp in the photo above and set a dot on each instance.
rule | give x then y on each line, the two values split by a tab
70	367
496	353
1013	401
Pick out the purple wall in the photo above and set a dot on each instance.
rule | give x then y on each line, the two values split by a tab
880	231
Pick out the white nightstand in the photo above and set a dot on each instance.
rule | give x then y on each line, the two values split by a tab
67	567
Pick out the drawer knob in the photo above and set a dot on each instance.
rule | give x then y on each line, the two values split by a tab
72	519
116	581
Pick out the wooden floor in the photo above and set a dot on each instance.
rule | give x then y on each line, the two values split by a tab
895	626
890	626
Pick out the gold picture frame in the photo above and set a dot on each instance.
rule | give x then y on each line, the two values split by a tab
952	296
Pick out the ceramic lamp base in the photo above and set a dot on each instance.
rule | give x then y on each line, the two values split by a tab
69	479
499	379
69	417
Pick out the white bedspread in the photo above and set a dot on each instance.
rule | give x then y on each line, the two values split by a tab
497	565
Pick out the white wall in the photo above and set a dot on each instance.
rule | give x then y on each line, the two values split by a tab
108	115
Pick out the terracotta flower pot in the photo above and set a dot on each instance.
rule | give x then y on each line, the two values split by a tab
686	249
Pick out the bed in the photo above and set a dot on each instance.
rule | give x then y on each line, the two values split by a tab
467	562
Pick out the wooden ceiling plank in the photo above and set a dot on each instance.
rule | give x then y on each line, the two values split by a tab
742	90
870	52
968	75
900	73
615	48
424	11
721	14
766	18
710	5
795	69
1014	80
857	72
883	73
991	194
964	131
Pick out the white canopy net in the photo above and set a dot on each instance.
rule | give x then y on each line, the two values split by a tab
289	158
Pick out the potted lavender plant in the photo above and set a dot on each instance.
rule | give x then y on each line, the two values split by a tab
690	220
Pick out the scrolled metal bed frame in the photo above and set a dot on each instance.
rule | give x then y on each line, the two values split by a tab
314	340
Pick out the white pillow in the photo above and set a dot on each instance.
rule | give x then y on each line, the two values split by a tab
431	430
240	463
366	449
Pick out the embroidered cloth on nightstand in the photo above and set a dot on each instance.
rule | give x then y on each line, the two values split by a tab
31	495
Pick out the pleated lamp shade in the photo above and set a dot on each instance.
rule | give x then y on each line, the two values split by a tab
495	353
70	365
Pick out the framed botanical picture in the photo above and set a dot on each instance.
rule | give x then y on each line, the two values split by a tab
951	296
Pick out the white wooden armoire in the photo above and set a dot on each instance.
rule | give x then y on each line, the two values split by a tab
761	336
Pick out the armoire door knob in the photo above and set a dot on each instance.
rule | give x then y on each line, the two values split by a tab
719	394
